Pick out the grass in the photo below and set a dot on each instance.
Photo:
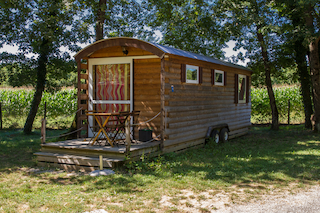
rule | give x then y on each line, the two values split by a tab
242	169
59	122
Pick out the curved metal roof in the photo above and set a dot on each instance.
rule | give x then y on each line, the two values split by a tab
174	51
152	47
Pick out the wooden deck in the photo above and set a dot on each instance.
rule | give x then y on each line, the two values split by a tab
79	155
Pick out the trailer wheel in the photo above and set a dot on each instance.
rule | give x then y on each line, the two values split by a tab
224	135
215	136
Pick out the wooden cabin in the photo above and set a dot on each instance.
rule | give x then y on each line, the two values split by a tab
185	97
195	96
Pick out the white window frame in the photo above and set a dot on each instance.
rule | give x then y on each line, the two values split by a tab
192	81
245	91
219	83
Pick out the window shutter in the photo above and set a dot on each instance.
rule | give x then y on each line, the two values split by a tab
225	78
248	89
212	77
200	75
236	87
183	73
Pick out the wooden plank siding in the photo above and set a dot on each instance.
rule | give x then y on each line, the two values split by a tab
147	92
192	108
82	121
117	52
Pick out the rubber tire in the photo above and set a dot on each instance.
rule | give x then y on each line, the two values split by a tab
215	136
224	135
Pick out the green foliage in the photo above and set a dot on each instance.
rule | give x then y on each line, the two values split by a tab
17	102
47	30
61	72
283	76
145	163
260	108
121	19
192	74
3	76
61	107
188	25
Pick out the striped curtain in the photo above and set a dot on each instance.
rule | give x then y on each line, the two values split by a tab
112	82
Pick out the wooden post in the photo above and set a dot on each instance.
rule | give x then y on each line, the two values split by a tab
43	131
0	116
101	162
288	111
45	110
128	140
43	125
78	120
162	101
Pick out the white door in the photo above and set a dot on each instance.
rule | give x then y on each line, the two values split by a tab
110	86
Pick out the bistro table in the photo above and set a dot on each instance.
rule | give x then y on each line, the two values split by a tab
113	127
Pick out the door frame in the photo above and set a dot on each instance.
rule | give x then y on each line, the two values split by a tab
113	60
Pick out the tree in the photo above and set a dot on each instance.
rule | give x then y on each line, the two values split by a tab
251	24
188	25
41	28
313	41
61	72
305	36
300	58
115	18
294	32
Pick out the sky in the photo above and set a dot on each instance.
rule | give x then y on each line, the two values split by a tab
228	51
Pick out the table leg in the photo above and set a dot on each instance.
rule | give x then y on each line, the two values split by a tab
102	130
104	124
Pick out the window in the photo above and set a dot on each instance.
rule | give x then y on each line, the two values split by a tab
192	74
242	90
218	77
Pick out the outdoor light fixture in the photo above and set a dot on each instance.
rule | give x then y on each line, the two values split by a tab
124	50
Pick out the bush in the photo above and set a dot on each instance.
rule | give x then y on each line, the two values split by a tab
261	111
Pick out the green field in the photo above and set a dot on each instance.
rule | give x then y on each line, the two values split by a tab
261	111
62	105
241	170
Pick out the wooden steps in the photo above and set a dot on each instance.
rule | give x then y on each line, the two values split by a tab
83	162
79	155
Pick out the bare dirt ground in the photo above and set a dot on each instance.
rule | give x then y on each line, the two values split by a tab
306	201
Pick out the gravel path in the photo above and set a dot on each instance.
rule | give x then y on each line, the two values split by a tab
304	202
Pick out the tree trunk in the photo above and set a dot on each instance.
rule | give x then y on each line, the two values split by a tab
100	19
315	79
300	58
314	68
41	79
304	76
275	114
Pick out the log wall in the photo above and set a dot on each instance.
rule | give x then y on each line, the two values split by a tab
192	108
146	95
